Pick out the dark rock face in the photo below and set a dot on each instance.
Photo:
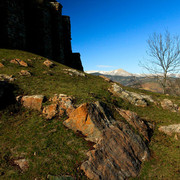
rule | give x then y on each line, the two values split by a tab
39	27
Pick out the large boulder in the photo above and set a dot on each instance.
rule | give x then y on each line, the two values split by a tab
90	120
119	151
117	156
134	98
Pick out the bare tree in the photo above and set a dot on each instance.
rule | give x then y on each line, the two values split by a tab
164	52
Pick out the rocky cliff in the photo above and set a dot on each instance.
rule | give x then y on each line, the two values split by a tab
38	26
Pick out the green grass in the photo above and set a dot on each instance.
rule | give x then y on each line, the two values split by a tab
51	148
47	145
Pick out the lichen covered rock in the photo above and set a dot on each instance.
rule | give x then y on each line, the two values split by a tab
50	111
90	120
32	102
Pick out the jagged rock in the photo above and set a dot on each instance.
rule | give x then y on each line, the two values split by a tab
72	72
90	119
7	78
49	63
22	163
169	105
117	156
171	129
32	102
119	151
135	121
25	73
1	65
106	78
134	98
50	111
65	104
19	62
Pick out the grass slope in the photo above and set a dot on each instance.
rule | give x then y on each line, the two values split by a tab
51	148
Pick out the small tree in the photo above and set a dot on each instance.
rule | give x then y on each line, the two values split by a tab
164	52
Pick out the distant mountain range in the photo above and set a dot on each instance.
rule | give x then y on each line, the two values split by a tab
142	81
117	72
121	72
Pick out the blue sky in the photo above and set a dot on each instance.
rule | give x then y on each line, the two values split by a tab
112	34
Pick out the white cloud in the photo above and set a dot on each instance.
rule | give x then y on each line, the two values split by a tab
104	66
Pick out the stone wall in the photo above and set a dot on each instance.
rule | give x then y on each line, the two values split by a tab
39	27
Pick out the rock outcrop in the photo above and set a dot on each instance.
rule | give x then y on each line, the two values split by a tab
39	28
134	98
117	156
60	105
119	151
